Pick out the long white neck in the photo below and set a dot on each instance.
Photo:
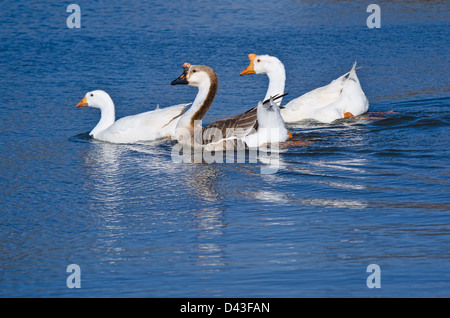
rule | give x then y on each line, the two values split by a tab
108	117
199	101
277	79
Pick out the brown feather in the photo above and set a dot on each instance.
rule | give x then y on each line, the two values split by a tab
211	94
239	126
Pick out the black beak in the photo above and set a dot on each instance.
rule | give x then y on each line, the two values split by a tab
182	79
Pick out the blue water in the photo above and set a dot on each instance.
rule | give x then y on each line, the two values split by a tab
364	191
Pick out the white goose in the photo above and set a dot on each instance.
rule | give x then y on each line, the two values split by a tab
342	98
151	125
271	126
241	130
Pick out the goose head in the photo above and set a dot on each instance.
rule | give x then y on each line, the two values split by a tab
269	104
101	100
196	75
262	64
96	99
205	79
271	126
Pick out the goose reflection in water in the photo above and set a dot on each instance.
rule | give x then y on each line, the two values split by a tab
109	170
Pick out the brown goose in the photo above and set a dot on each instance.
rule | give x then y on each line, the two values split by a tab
234	131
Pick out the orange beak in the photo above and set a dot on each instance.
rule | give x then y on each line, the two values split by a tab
83	102
251	67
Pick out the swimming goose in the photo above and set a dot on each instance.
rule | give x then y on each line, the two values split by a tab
342	98
234	131
271	126
150	125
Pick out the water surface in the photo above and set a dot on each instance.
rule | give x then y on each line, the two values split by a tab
365	191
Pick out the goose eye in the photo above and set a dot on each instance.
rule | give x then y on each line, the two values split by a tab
194	71
258	60
92	95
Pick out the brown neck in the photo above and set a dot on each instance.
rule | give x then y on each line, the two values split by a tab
200	113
